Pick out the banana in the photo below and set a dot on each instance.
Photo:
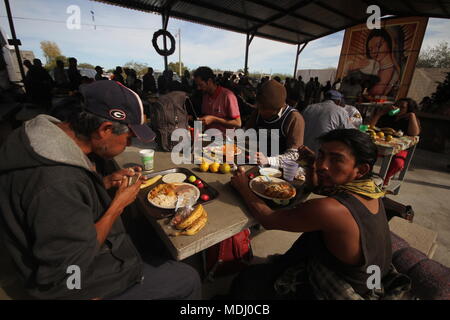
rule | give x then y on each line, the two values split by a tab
151	181
197	225
195	215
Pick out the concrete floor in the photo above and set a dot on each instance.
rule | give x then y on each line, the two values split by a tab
426	189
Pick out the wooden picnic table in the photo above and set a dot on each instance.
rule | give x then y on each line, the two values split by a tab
227	214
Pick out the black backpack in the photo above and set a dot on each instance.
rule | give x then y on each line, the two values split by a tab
167	114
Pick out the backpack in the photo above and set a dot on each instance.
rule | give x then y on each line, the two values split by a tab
229	256
167	114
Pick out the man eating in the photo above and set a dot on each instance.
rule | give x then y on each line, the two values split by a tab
57	219
343	233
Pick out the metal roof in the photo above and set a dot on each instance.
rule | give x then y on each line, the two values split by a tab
289	21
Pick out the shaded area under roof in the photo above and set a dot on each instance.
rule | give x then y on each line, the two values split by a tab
289	21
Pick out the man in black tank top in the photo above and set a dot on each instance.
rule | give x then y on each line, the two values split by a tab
346	232
275	116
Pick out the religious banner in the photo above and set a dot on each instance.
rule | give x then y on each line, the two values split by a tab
382	60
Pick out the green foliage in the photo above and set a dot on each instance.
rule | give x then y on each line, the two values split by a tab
52	64
442	94
139	67
436	57
175	67
86	65
50	50
282	76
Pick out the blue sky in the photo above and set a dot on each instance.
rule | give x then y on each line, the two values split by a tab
123	35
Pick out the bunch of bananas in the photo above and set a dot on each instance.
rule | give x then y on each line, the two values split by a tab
193	223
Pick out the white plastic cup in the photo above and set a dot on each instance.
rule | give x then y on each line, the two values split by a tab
147	157
290	169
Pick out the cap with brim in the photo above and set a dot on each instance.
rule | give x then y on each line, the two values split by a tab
115	102
142	132
334	95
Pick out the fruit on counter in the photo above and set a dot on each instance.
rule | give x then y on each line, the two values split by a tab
197	182
204	197
198	225
204	167
150	181
251	176
225	168
388	138
214	167
200	185
192	179
188	221
380	135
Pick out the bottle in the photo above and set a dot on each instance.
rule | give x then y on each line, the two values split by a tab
393	112
363	127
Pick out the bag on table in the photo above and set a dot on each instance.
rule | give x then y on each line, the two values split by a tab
229	256
166	115
396	209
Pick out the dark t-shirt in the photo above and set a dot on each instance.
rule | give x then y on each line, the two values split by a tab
387	121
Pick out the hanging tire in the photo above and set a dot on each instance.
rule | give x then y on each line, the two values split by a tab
163	33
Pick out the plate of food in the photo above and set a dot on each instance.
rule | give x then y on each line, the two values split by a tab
270	172
165	195
273	189
174	177
224	149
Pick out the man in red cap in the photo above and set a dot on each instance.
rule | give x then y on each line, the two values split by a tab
62	229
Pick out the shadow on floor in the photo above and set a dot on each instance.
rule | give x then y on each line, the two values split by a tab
441	186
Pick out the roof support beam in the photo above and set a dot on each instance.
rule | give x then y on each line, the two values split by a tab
335	11
292	14
299	50
249	39
165	21
254	20
410	6
15	42
444	8
282	13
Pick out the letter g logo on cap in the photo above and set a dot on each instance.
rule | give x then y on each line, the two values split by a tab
118	114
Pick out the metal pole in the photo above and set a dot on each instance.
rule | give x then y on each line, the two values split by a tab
296	58
179	49
249	39
15	40
296	61
165	20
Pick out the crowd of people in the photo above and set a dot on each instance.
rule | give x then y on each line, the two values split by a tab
57	208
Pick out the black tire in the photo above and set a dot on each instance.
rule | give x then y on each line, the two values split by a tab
163	52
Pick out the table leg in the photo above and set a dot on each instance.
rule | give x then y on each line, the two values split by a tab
406	167
385	165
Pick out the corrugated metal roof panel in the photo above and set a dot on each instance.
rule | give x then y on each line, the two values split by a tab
291	21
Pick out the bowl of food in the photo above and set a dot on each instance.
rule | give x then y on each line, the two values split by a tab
275	189
270	172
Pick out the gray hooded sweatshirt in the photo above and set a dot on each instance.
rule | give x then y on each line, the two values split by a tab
50	200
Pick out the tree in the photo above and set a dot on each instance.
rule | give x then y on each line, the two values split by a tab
52	64
50	50
175	67
86	65
139	67
436	57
